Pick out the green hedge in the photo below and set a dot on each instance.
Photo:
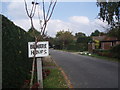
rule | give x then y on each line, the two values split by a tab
78	47
116	51
113	53
15	62
101	52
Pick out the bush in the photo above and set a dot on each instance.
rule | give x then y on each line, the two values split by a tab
101	52
77	47
15	62
116	51
71	47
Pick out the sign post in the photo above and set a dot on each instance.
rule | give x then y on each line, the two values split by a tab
42	50
39	72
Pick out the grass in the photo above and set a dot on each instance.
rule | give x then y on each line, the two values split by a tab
48	63
103	57
96	56
55	80
68	50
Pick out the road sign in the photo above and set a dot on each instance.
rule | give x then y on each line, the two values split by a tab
42	49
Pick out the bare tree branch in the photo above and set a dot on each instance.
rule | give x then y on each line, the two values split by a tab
26	8
49	9
45	24
34	10
52	10
46	18
43	10
33	4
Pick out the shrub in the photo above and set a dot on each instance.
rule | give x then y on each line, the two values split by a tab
77	47
101	52
15	62
116	51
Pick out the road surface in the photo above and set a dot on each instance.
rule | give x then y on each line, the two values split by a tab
87	72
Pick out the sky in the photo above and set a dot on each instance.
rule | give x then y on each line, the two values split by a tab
73	16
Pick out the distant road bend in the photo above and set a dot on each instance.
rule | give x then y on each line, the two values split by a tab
87	72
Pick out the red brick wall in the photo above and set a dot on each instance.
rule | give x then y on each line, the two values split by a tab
106	45
118	42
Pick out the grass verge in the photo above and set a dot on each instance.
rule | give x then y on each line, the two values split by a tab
68	50
55	79
94	55
103	57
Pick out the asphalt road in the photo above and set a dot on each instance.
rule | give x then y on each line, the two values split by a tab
87	72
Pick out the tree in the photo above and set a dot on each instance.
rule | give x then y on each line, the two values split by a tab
64	38
95	33
51	41
79	34
110	12
114	32
43	23
82	41
43	20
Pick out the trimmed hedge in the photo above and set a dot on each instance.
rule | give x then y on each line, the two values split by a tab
15	63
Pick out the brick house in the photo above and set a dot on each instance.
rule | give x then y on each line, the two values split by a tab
105	43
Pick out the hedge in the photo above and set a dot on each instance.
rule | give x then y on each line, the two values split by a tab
116	51
15	62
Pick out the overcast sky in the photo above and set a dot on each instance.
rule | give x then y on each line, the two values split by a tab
72	16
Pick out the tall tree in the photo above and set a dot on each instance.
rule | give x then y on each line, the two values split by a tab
114	32
83	39
79	34
95	33
110	12
64	38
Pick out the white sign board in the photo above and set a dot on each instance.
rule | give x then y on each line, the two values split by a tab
42	49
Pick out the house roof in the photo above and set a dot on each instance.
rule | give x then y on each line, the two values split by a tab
104	38
100	38
111	41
